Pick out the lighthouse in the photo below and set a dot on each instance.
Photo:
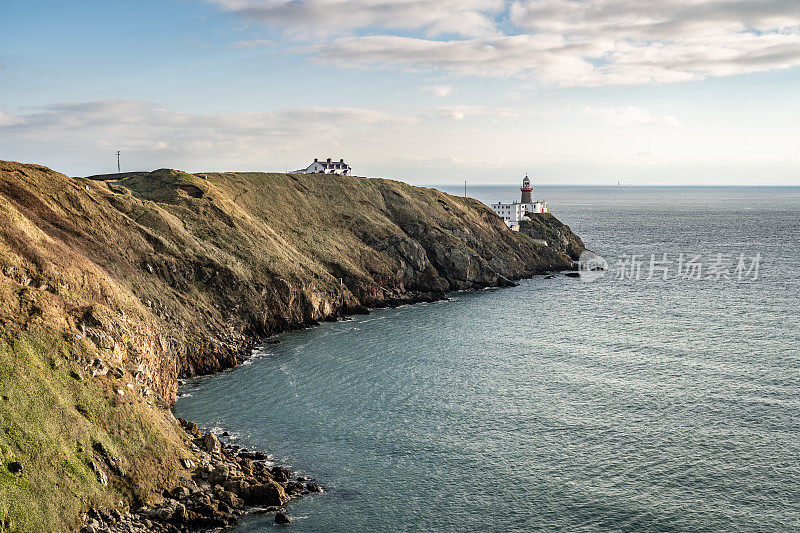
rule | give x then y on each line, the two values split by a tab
515	212
527	191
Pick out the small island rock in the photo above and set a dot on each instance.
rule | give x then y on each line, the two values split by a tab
283	519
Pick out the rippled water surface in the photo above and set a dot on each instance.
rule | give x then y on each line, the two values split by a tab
556	405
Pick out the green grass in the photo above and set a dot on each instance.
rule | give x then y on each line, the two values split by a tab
43	426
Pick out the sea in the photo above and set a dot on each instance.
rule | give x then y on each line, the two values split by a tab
661	394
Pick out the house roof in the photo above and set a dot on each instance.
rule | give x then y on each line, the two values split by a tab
333	164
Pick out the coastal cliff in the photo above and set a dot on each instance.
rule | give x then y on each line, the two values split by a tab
544	227
113	289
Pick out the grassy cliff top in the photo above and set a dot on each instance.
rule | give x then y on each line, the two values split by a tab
110	289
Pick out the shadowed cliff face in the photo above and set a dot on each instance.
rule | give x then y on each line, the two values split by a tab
557	235
124	285
258	253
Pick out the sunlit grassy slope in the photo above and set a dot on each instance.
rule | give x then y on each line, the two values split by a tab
111	289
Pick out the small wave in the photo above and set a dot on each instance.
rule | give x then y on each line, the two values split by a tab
257	354
220	431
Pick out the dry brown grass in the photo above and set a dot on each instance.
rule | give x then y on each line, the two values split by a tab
164	273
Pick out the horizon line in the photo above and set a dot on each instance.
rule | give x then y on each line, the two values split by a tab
638	186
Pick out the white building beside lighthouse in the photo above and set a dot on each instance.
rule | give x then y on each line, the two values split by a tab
513	212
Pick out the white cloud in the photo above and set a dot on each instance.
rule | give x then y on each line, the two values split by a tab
310	18
407	143
557	42
630	116
655	42
162	137
549	56
439	91
556	60
702	57
460	112
456	114
7	119
636	20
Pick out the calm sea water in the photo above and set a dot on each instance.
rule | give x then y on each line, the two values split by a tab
558	405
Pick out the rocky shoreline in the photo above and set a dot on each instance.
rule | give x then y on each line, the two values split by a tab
227	482
230	481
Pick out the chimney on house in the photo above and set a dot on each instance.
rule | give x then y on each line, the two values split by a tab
329	160
315	160
341	161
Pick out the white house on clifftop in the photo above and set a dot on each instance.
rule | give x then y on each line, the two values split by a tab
513	212
326	167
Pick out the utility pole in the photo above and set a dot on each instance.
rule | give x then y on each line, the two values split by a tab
465	188
118	167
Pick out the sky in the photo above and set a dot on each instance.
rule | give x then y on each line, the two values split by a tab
672	92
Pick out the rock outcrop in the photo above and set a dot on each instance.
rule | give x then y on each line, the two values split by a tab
547	228
228	482
112	289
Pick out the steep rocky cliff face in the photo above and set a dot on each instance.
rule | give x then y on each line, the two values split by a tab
112	289
557	235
